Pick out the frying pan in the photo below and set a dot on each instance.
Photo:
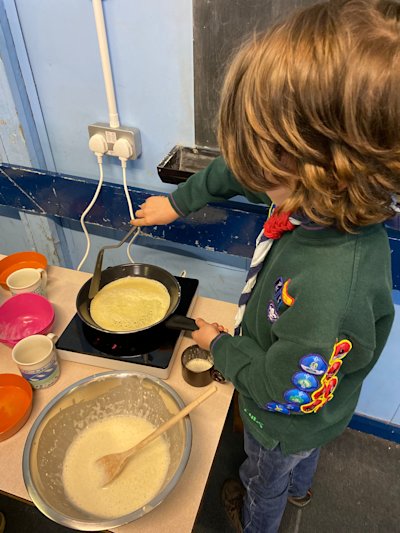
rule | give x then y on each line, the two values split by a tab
145	271
103	277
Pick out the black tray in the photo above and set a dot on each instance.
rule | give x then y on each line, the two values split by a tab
181	162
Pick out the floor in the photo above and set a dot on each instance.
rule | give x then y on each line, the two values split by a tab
356	487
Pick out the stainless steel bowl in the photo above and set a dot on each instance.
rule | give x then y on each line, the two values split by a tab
70	412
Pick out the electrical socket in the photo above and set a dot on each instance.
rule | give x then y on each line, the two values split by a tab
111	136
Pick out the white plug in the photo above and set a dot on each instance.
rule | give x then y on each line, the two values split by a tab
98	144
123	149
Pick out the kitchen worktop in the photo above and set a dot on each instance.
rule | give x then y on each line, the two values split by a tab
179	509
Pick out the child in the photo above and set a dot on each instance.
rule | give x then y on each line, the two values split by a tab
309	120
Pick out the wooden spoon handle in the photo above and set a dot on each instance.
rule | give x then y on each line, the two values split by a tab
169	423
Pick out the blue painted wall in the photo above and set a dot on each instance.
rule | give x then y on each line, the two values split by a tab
151	54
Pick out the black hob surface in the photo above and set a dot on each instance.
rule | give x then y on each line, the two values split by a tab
154	348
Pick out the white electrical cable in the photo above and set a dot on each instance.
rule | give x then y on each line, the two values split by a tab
128	199
89	207
131	213
128	253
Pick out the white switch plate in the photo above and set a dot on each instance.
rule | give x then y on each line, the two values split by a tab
111	135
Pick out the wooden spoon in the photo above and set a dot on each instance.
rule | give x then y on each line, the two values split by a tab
113	463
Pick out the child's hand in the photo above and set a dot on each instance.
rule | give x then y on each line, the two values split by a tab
155	210
206	333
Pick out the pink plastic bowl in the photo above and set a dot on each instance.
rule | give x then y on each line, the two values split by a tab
23	315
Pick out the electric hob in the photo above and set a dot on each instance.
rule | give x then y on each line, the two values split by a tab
152	355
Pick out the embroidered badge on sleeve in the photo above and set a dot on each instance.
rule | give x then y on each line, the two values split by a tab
272	313
278	290
286	298
309	395
280	296
329	381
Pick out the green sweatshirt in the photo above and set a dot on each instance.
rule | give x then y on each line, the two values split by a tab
317	321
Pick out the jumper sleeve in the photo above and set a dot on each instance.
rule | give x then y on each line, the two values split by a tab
292	376
213	184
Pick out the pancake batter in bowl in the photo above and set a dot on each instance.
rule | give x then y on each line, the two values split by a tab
140	480
129	304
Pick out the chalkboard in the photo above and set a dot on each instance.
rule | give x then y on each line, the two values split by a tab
220	26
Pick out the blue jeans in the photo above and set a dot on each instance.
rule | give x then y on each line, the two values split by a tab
269	478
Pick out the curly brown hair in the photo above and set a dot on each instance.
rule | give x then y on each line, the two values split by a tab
325	87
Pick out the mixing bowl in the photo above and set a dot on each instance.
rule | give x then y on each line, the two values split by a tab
23	315
15	404
14	262
94	398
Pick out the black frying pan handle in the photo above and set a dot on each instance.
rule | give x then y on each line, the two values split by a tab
181	322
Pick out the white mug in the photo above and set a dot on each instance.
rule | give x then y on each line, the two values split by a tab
37	360
27	280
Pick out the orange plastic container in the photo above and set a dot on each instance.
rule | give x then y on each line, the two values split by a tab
14	262
15	404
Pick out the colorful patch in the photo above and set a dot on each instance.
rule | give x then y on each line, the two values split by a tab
314	363
304	381
298	399
296	396
277	407
329	380
321	396
272	313
293	407
286	298
278	290
333	369
341	349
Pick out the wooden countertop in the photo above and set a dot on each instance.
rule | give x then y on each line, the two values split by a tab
179	509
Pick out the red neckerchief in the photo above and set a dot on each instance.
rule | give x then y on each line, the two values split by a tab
277	224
